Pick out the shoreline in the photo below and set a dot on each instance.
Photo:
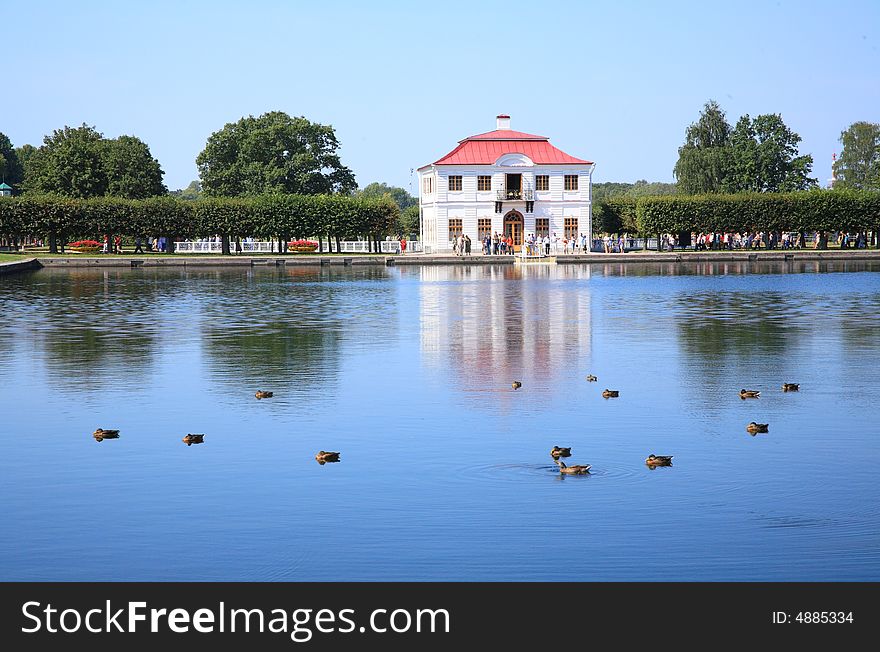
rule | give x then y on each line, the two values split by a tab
137	262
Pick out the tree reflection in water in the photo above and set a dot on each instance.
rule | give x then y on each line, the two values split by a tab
287	327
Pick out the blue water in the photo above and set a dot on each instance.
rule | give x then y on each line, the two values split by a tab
445	471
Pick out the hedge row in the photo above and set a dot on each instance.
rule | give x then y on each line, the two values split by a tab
269	217
817	210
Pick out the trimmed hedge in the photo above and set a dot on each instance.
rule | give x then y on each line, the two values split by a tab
816	210
283	217
615	215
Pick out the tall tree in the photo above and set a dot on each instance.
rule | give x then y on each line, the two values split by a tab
25	155
403	199
764	157
859	162
273	153
80	162
703	160
131	170
69	163
10	166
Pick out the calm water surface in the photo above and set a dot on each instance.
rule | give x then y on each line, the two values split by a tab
445	471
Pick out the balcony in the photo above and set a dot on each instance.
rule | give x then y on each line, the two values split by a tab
514	195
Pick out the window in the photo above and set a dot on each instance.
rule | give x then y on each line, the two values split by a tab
542	226
542	182
484	227
454	183
571	227
428	185
484	183
571	182
454	227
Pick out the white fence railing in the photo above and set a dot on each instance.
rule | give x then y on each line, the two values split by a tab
254	247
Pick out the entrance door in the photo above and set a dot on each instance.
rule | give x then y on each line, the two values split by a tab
513	186
513	228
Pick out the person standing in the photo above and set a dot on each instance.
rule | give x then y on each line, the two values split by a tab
467	245
138	247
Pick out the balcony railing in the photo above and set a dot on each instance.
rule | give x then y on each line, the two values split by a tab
515	195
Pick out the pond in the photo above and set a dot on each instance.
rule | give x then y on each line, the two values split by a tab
445	472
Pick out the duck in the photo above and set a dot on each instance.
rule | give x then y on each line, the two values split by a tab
575	469
791	387
191	439
757	427
591	378
100	434
516	384
262	394
556	452
326	456
658	460
749	393
610	393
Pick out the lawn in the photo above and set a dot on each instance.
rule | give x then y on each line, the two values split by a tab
11	258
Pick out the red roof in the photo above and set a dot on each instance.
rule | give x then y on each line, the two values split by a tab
485	149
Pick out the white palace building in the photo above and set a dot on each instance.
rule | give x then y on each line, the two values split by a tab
506	182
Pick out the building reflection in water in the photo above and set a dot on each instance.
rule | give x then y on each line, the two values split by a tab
492	324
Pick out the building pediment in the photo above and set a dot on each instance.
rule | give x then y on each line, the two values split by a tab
514	160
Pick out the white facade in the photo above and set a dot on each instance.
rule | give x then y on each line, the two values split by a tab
554	210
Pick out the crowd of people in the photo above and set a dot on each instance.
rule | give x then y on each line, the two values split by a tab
758	240
535	244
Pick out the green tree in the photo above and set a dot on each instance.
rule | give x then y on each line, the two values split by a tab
192	192
403	199
609	189
859	163
11	171
79	162
131	170
704	159
644	188
273	153
25	155
69	163
764	157
408	222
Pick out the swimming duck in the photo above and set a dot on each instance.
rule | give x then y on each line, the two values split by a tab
556	452
191	439
791	387
757	427
749	393
516	384
658	460
610	393
100	434
591	378
326	456
262	394
576	469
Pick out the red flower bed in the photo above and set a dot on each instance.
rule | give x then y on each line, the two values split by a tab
302	245
84	246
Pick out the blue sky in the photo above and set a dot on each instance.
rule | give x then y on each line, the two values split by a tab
402	82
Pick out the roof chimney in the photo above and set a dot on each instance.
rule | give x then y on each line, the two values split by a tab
502	122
